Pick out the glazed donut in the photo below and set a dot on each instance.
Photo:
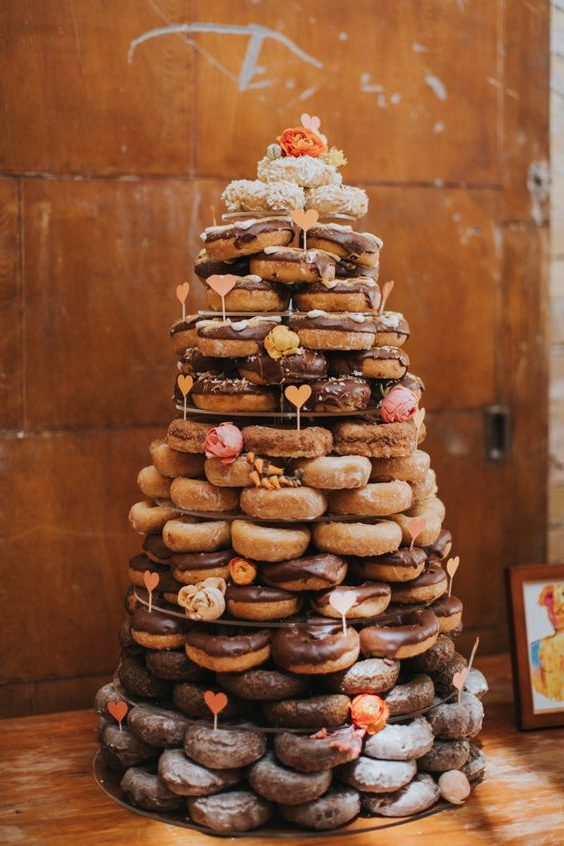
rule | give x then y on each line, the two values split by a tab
411	633
301	503
409	468
400	741
411	696
301	366
338	806
121	748
403	565
145	789
149	518
186	778
360	294
228	652
246	237
445	755
457	720
269	543
213	393
373	675
152	484
253	602
187	435
233	475
361	248
333	472
427	587
264	685
321	330
316	711
155	549
330	200
315	648
377	499
448	610
305	171
292	265
414	798
277	783
234	338
476	683
193	567
475	767
424	489
185	534
276	441
436	658
137	680
308	754
362	539
382	363
183	333
200	495
223	748
372	776
205	266
189	698
137	566
172	665
230	811
372	598
158	630
314	572
432	510
337	395
171	463
157	726
392	329
254	195
440	549
376	440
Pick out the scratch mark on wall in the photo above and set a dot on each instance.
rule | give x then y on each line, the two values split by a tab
538	184
368	87
309	92
437	86
418	48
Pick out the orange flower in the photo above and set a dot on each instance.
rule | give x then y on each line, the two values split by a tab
241	571
369	712
301	141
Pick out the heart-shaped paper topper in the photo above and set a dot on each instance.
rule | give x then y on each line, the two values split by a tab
305	219
415	526
452	566
222	284
182	292
216	702
418	417
185	384
151	580
342	601
118	710
311	122
298	396
459	679
387	289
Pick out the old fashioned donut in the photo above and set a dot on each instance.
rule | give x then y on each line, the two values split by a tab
246	237
264	685
333	472
376	440
371	599
456	720
279	784
301	503
217	393
157	726
172	665
427	587
189	698
445	755
392	329
234	338
313	572
330	200
440	549
269	543
410	633
475	767
437	657
315	648
152	484
432	510
145	789
223	748
183	333
184	534
339	394
321	751
254	602
228	652
121	748
234	475
147	517
400	741
200	495
414	798
292	265
301	366
377	499
137	680
373	675
255	195
310	442
409	468
205	266
321	330
448	610
414	694
403	565
338	806
305	171
170	462
186	778
361	539
361	248
355	294
158	630
371	776
316	711
189	568
187	435
234	810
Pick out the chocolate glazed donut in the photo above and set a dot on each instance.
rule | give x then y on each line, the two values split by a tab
315	649
412	633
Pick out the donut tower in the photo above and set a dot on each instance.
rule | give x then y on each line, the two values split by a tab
288	651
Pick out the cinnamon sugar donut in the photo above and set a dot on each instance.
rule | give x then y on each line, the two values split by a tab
376	440
334	472
355	294
149	518
327	711
215	393
152	484
234	338
427	587
320	751
252	294
189	568
361	248
269	543
246	237
403	565
409	634
310	442
315	649
233	475
377	499
392	329
185	534
371	599
292	265
231	651
321	330
171	463
313	572
361	539
301	503
200	495
254	602
408	468
187	435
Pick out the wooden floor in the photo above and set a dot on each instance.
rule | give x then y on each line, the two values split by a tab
48	796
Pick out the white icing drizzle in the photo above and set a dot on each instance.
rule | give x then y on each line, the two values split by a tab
241	224
390	319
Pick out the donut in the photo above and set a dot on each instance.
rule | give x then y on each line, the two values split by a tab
223	748
448	610
137	566
424	489
157	726
410	633
189	698
301	366
437	657
106	694
355	294
255	195
232	651
184	534
269	543
276	441
253	602
440	549
403	565
400	741
263	685
476	683
457	720
333	472
121	748
315	648
145	789
313	572
383	363
373	675
349	270
414	798
392	329
187	435
411	695
337	395
361	539
338	806
305	171
246	237
234	338
409	468
155	549
361	248
432	510
371	599
377	499
328	711
213	393
321	330
170	463
445	755
200	495
301	503
152	484
371	776
443	678
137	680
189	568
149	518
330	200
183	333
320	751
293	265
376	440
186	778
194	363
205	266
230	811
427	587
475	767
172	665
279	784
157	630
233	475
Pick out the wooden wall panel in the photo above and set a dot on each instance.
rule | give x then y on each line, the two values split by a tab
11	336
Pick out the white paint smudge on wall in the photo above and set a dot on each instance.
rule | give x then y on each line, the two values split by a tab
437	86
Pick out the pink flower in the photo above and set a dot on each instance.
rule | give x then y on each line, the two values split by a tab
224	442
398	405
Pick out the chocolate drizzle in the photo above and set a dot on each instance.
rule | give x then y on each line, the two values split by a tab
254	329
202	560
247	233
325	567
301	366
410	628
333	322
227	643
355	243
366	287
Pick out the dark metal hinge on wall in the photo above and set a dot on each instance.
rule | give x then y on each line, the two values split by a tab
498	431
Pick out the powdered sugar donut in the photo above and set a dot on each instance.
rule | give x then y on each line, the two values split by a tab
400	741
417	796
305	171
371	776
445	755
457	720
231	810
254	195
337	807
337	199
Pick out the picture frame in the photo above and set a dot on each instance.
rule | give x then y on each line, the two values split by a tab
536	623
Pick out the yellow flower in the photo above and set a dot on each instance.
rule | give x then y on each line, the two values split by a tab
334	157
281	341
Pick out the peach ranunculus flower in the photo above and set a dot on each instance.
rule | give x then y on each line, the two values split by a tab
369	712
301	141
